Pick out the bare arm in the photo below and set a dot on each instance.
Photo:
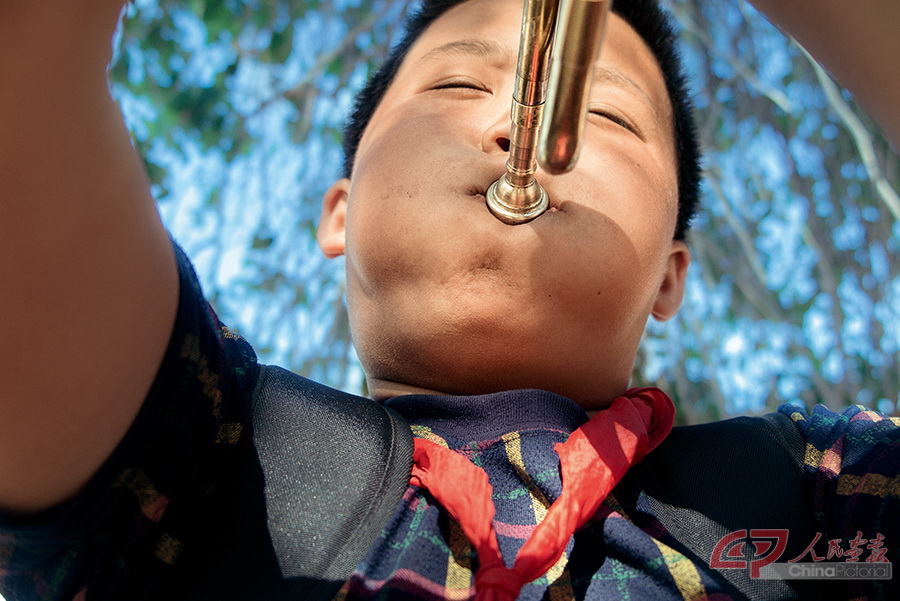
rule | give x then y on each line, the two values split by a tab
88	285
857	41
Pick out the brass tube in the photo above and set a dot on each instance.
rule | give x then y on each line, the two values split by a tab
582	24
517	197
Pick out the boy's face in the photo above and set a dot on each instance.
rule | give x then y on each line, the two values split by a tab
442	295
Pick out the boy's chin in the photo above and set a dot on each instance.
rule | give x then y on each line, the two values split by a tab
493	337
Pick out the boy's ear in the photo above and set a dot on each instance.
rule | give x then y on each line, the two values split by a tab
331	234
671	290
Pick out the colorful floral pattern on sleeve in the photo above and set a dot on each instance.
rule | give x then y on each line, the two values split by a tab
852	473
132	533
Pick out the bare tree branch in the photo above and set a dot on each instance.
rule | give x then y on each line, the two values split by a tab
861	136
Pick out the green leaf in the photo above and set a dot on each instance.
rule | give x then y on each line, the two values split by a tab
261	242
281	45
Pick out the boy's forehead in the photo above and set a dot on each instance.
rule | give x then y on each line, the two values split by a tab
490	28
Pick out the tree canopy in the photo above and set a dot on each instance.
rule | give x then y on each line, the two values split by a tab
794	292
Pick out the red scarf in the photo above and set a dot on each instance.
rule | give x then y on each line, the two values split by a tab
592	461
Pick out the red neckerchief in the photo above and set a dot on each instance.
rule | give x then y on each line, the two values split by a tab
592	461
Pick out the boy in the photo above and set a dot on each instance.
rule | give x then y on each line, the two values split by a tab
174	504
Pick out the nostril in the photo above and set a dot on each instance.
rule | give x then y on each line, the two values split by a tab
503	143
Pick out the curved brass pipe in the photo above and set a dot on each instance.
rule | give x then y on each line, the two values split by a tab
579	26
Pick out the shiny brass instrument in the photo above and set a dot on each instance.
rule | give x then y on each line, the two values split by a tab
578	27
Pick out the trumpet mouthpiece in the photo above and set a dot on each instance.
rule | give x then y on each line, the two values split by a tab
514	205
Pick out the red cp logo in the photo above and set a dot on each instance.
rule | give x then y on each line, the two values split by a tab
767	545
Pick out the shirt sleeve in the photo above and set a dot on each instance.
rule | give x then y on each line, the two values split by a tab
127	533
852	477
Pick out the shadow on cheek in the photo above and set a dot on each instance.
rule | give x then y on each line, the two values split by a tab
590	253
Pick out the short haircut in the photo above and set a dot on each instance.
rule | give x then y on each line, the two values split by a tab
653	24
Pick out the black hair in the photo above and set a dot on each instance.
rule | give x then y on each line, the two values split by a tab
646	17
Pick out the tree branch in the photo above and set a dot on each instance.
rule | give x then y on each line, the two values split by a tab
861	137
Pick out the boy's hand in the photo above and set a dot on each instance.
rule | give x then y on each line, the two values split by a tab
857	41
89	286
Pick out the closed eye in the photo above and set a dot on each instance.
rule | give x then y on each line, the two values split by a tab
615	118
461	83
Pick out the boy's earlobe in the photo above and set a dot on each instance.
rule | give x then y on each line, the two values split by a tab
671	290
331	233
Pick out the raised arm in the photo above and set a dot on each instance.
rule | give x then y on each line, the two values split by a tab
88	284
857	41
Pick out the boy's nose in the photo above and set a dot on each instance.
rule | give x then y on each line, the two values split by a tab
496	137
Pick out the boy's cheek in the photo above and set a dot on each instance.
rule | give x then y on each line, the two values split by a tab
419	128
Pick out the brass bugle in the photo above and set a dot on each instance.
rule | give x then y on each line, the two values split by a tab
572	31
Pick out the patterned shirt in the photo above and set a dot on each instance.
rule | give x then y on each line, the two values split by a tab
160	518
626	553
422	554
852	474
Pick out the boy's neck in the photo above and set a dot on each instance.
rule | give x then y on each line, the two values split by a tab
382	390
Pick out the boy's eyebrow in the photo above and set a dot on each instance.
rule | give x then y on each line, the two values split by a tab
611	75
473	47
